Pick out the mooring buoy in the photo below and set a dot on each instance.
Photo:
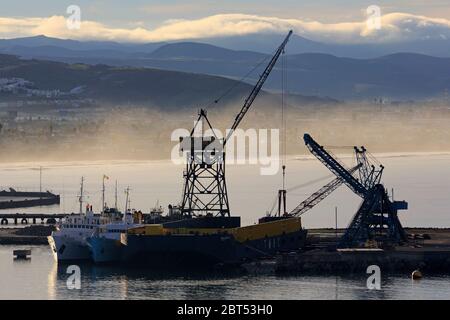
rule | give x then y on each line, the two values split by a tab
21	254
416	275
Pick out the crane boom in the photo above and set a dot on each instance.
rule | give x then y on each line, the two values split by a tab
257	88
331	163
319	195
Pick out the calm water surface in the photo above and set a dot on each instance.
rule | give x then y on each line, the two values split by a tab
42	278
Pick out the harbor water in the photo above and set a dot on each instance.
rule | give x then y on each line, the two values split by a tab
42	278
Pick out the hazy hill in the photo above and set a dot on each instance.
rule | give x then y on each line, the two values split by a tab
402	76
263	43
40	41
119	85
194	50
267	42
399	76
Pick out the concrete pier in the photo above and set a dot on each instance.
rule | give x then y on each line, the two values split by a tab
427	250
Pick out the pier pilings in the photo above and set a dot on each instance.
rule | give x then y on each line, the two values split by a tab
26	218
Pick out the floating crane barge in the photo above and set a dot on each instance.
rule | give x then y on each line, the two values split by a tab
198	246
206	233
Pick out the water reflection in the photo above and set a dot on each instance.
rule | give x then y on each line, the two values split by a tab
52	279
115	282
136	282
43	278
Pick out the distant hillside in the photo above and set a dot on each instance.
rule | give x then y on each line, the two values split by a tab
399	76
42	41
262	43
202	51
50	51
402	76
297	44
119	85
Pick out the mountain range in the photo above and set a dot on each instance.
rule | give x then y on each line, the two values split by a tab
398	76
170	90
267	42
263	43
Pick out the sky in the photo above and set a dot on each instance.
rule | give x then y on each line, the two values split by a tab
158	20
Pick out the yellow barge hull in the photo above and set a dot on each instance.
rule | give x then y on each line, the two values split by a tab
156	243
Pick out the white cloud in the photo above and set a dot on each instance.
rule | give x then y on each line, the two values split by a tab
394	27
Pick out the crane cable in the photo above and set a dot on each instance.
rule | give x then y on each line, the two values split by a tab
282	138
240	81
235	84
283	125
283	119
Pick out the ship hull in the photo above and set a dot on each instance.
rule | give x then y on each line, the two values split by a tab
191	250
66	248
179	250
104	250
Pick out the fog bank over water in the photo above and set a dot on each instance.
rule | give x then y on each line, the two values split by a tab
133	146
145	133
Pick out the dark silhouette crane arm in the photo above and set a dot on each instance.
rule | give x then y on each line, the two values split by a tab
257	88
319	195
334	166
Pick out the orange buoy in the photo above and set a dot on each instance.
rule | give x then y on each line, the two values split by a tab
416	275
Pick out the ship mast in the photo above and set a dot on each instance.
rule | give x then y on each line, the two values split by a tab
40	182
80	198
115	197
103	193
127	192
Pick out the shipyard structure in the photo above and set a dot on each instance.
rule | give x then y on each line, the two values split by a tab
201	231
